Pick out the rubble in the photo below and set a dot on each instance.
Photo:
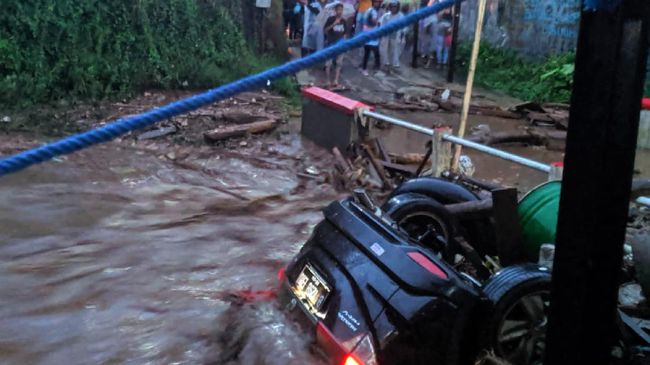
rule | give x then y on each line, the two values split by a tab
370	166
191	128
553	140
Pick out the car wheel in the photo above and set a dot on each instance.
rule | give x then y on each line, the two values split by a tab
423	219
516	330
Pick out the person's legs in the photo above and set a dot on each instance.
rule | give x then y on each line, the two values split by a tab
395	53
366	57
328	67
384	48
375	50
439	49
445	55
337	72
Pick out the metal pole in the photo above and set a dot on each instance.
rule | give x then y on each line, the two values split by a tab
498	153
599	162
416	39
454	42
470	80
463	142
399	122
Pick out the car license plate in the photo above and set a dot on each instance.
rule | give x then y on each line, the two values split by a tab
311	287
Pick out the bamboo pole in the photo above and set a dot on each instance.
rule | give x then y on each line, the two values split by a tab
470	81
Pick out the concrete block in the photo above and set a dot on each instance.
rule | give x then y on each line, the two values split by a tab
330	119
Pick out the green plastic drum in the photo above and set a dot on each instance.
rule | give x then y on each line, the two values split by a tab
538	212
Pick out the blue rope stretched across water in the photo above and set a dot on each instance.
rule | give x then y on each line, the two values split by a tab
120	127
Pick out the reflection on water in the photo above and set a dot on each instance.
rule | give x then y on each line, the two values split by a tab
115	257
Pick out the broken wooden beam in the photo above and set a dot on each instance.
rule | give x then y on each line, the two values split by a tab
408	158
342	162
241	130
156	133
399	168
374	162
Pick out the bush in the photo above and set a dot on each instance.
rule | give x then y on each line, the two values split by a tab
504	70
92	49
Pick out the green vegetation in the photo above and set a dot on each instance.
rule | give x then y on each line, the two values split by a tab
504	70
93	49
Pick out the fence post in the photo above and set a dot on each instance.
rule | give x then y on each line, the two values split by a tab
441	152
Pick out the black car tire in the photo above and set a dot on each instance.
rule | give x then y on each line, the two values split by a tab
518	292
409	209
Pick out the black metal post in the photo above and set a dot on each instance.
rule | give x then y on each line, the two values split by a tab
454	42
416	40
601	141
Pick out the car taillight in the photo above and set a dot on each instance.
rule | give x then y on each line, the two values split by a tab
363	353
281	274
427	264
350	360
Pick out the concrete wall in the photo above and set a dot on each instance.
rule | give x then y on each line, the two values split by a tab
536	28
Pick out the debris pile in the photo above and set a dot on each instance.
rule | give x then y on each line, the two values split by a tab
546	123
223	122
370	166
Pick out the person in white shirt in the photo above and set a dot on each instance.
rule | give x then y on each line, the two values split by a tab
393	44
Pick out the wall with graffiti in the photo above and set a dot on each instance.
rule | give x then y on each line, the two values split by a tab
535	27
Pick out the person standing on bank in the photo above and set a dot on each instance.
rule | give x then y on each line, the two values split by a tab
336	28
310	32
392	45
371	21
443	31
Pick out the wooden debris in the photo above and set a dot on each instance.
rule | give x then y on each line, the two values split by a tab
374	162
240	117
408	158
233	131
407	107
156	133
399	168
370	167
553	140
343	164
381	150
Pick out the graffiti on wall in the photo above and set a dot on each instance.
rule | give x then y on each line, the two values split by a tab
535	27
553	25
553	18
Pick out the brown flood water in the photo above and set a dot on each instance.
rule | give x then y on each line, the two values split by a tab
120	256
117	256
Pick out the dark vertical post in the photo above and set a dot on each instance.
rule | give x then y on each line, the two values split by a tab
601	141
416	40
454	42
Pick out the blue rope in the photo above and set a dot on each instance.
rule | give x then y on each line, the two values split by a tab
120	127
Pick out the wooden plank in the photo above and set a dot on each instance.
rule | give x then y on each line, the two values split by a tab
232	131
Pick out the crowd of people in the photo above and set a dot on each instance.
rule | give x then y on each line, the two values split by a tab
322	23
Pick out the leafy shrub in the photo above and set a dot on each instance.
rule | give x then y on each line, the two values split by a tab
504	70
53	49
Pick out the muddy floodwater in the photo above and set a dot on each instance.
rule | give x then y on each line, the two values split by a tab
132	254
117	255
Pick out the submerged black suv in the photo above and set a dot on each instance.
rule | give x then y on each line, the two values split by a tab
373	295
